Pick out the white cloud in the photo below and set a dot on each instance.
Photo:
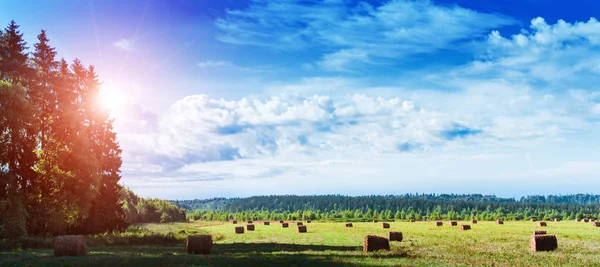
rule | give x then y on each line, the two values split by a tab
125	44
215	64
529	98
356	33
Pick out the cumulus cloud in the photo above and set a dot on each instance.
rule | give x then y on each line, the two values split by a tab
358	33
533	93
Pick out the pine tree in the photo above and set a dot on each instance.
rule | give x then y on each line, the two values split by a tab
13	58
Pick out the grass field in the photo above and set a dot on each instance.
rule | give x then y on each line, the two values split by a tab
331	244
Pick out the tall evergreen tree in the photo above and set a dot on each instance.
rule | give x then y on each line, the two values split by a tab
13	56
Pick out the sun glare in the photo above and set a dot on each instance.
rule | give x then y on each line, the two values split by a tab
111	99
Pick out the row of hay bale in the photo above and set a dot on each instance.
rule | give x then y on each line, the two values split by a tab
265	222
586	220
250	227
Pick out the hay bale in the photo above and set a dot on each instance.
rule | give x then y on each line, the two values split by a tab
348	224
284	225
596	224
453	223
69	245
308	221
234	222
239	229
543	243
556	219
199	244
542	224
586	220
250	227
385	225
299	223
412	220
395	236
577	219
533	219
250	222
280	221
474	221
373	243
499	221
301	228
539	232
374	221
266	223
465	227
439	223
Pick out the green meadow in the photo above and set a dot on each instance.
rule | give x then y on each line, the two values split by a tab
332	244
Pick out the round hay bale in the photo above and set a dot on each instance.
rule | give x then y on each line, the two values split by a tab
596	224
473	221
532	219
199	244
586	220
299	223
465	227
499	221
284	225
453	223
308	221
543	243
374	221
395	236
250	222
542	224
385	225
439	223
539	232
250	227
301	228
234	222
412	220
348	224
280	221
239	229
69	245
556	219
577	219
266	223
374	243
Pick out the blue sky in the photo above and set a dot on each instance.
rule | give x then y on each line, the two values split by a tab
239	98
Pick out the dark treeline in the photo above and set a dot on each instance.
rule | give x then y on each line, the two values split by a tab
59	158
409	206
143	210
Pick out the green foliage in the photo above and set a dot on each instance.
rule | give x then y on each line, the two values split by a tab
141	210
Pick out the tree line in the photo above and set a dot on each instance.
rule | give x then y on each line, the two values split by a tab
408	206
59	156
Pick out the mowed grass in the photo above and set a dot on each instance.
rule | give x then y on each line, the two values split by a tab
332	244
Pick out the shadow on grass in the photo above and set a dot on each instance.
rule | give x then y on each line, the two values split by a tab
239	254
277	247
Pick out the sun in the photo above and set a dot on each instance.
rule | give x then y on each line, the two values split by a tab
111	99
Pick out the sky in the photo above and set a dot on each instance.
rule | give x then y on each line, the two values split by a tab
220	98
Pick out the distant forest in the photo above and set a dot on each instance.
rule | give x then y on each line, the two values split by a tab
59	156
408	206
